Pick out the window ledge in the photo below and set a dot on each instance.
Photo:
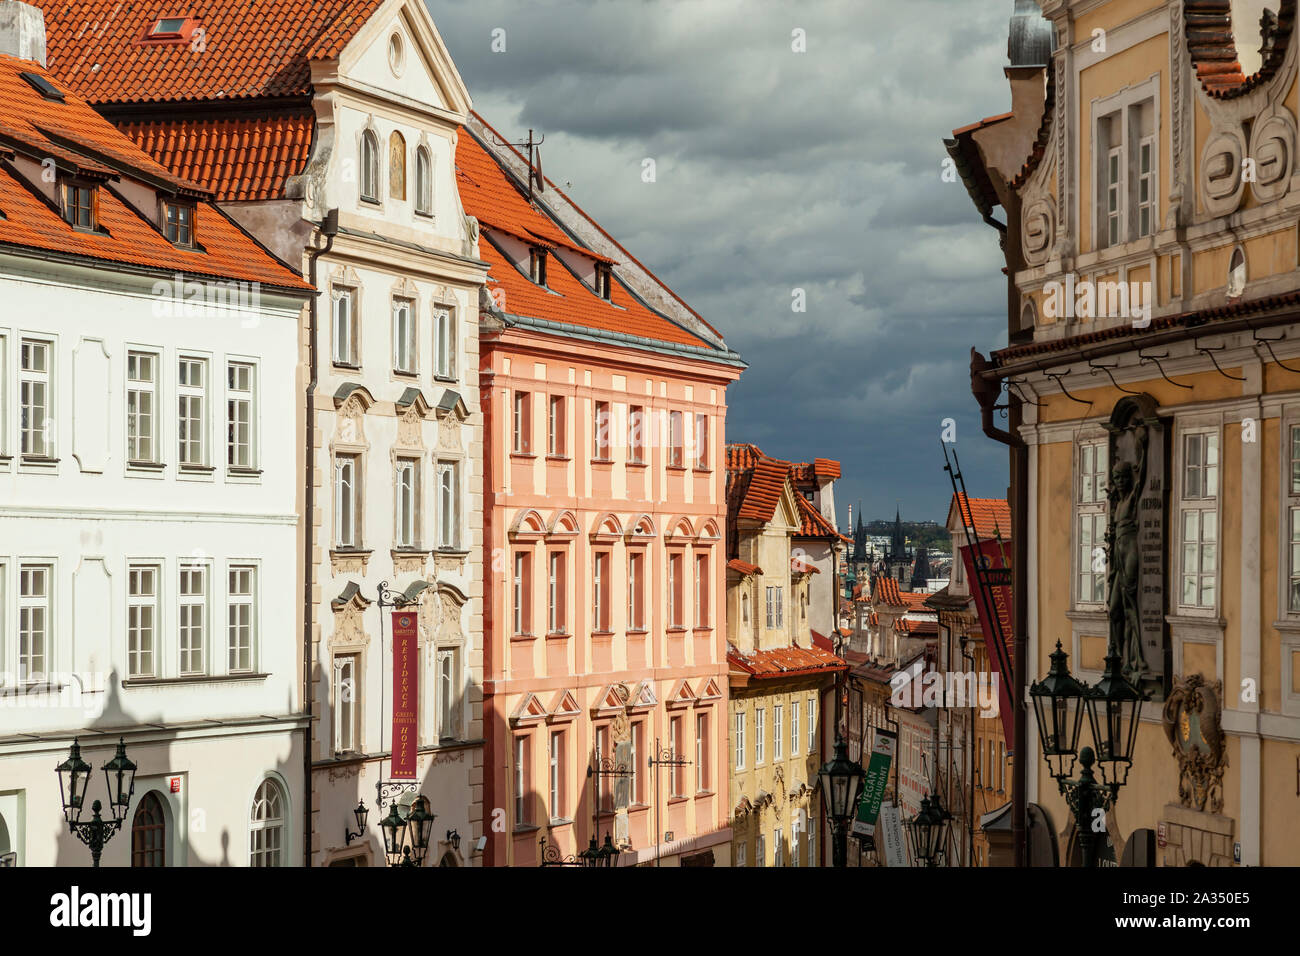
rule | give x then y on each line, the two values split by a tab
145	465
452	552
702	471
414	373
1088	615
522	454
1197	622
676	467
673	801
194	679
196	469
30	687
704	793
602	633
244	472
638	631
676	629
350	553
559	822
558	636
558	458
446	379
703	629
347	365
1287	626
40	461
521	638
410	550
638	464
366	200
525	828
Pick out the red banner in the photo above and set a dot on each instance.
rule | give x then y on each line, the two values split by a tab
990	557
406	695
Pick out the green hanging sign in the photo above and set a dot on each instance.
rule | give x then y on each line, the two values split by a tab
873	787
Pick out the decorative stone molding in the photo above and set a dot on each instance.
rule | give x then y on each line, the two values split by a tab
409	562
349	562
1191	720
446	562
349	617
346	771
1272	146
1195	837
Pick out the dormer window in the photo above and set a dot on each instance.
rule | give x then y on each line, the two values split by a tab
178	223
537	265
79	204
603	281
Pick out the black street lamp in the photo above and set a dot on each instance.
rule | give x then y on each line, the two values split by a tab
361	813
841	780
74	776
595	856
929	831
406	837
1114	707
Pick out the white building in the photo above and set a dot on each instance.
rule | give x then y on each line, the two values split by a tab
148	486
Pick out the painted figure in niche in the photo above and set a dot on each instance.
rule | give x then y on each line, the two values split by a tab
1123	561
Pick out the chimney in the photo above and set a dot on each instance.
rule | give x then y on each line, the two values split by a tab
22	31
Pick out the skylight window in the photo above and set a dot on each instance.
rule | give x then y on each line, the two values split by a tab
168	27
43	86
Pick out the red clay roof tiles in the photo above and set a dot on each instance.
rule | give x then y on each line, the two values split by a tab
784	661
992	516
886	592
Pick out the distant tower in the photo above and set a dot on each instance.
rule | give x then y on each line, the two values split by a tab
859	539
899	561
921	570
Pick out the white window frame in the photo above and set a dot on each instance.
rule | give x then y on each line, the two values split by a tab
237	602
1147	179
522	420
1123	110
556	446
344	328
347	703
31	600
143	608
444	342
405	356
1288	546
447	678
636	590
449	529
423	181
794	728
1203	505
142	394
702	430
407	510
522	748
760	850
192	412
555	755
347	501
1116	205
192	623
241	398
600	616
811	713
35	442
778	731
703	570
739	721
261	852
522	590
1092	461
702	752
556	592
760	736
370	186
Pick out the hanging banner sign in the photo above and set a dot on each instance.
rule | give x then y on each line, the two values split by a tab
873	786
997	601
891	826
406	695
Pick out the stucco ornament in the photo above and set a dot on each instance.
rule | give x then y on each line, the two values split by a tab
1191	721
1038	233
409	430
1272	146
349	429
1220	180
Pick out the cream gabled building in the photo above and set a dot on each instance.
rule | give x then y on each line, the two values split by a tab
355	115
1149	160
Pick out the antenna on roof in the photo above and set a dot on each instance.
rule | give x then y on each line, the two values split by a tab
534	168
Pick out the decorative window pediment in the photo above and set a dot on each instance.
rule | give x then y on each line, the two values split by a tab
563	523
710	691
644	695
613	697
643	527
607	527
709	532
528	523
681	528
565	707
682	695
529	709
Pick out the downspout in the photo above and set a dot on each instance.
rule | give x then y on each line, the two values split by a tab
970	759
986	393
329	228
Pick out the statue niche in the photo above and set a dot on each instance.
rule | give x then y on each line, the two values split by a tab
1135	543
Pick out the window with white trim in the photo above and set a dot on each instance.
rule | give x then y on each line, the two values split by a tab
557	775
35	392
444	342
777	842
1114	184
1146	199
343	302
794	728
556	446
676	440
240	386
266	826
636	591
347	703
448	703
347	501
812	725
407	518
778	731
701	753
369	166
556	593
448	505
192	598
1091	519
1292	485
423	182
523	587
760	850
794	843
775	607
141	620
404	336
523	424
760	736
522	776
742	853
141	406
241	598
35	600
600	587
192	411
739	741
1199	520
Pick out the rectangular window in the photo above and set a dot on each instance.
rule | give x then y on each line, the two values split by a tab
1092	522
192	411
1146	187
760	736
35	599
522	816
240	598
600	591
557	593
638	748
444	332
1293	522
775	607
675	585
776	849
448	704
523	596
555	445
742	853
344	302
557	775
403	336
676	453
603	281
794	728
606	794
141	406
1114	195
675	742
740	741
811	714
636	435
537	265
193	619
448	508
523	424
347	500
600	431
407	518
794	843
701	441
141	620
34	394
760	850
347	704
636	591
702	616
778	731
239	415
1199	519
701	753
178	223
79	205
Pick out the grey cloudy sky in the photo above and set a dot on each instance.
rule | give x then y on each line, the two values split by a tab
779	170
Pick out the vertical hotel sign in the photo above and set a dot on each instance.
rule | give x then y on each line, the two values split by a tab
405	695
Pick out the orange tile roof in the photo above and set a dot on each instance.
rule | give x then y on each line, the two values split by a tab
886	592
490	195
992	516
813	524
784	661
763	489
237	158
250	48
740	456
919	628
28	221
744	567
914	600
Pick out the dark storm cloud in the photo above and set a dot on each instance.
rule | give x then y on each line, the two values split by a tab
779	171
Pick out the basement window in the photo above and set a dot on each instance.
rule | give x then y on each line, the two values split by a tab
178	223
79	201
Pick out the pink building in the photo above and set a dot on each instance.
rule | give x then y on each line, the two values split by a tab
604	514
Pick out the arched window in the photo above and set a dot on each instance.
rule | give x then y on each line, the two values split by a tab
369	166
744	609
1237	274
423	181
266	826
149	833
397	165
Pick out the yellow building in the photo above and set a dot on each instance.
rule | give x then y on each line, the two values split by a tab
1146	174
781	684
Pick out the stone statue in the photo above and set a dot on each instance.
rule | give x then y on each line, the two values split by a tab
1124	561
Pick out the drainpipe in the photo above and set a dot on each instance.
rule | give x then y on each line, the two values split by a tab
970	759
329	228
986	393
